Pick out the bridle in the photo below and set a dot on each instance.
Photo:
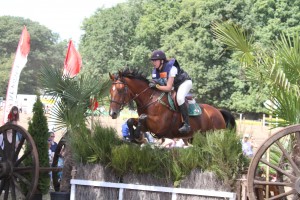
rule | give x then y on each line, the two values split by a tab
123	102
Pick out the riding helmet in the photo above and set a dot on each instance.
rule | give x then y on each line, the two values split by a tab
158	55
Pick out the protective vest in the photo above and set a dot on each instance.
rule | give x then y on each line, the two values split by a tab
163	75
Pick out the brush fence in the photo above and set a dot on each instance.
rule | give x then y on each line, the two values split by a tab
173	191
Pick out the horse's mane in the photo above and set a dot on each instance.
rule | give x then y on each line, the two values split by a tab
134	74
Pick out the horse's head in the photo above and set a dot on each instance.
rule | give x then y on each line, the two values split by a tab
119	95
127	86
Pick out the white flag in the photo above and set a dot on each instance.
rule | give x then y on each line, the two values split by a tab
19	63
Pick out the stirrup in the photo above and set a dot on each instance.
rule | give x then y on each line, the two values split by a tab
185	128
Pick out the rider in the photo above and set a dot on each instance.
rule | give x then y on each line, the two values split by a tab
168	75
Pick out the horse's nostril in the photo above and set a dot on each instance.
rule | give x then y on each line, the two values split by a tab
113	115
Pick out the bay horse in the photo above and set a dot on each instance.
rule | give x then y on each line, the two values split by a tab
154	110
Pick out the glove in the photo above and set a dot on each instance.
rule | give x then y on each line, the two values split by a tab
159	81
152	84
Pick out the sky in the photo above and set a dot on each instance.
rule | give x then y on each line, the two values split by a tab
61	16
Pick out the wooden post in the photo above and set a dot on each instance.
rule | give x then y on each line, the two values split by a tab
73	172
240	124
268	159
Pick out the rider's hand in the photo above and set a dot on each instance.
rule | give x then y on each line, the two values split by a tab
152	84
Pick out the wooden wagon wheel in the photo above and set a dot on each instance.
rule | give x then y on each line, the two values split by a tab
285	170
55	163
19	164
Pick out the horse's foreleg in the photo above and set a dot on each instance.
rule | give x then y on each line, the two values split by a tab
140	125
130	123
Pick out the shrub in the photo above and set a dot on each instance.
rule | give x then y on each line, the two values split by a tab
38	129
95	146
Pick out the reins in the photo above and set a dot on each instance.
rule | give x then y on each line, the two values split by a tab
143	107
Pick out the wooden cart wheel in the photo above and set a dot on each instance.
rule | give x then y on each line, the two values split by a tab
55	163
19	163
274	171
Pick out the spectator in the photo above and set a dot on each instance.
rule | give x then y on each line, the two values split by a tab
253	143
60	162
50	153
13	116
246	146
52	142
125	131
47	109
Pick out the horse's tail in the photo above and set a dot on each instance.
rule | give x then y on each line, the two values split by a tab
229	119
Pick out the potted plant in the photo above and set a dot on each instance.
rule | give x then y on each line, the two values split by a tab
73	98
38	129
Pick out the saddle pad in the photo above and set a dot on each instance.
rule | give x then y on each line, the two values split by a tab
194	109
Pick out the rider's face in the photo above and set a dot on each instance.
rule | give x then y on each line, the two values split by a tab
156	63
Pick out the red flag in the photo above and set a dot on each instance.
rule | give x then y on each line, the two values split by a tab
93	104
18	65
73	61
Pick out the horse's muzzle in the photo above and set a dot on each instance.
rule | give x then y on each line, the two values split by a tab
113	114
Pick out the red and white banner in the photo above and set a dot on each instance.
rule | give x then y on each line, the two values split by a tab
73	61
18	65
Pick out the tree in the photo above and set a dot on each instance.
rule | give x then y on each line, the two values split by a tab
38	129
274	17
275	68
108	38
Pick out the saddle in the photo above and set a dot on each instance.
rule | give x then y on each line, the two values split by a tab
193	107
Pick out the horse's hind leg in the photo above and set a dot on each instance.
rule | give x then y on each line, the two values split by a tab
188	141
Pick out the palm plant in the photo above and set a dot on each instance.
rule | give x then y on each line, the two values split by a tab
72	97
275	68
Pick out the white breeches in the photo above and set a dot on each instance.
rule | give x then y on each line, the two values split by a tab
183	90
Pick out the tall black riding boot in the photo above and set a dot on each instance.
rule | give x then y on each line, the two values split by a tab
186	126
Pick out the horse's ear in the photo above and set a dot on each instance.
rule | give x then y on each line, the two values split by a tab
111	76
